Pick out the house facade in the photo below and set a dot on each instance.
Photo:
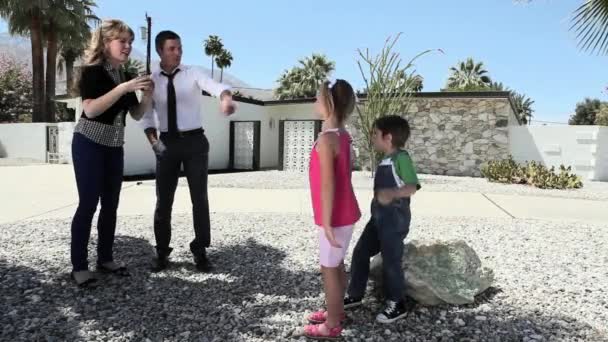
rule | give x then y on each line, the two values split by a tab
452	134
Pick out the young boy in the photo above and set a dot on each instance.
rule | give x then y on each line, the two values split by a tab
395	182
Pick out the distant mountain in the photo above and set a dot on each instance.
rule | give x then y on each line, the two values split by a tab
20	48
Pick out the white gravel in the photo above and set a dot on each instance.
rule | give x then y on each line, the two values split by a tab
362	180
550	284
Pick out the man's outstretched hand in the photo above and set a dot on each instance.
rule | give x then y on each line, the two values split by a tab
227	106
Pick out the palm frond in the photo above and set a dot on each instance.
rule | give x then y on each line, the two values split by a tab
590	22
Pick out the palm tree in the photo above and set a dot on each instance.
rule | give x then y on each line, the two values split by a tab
590	22
523	107
286	88
413	82
68	55
133	67
315	69
498	86
468	75
65	21
71	49
417	83
304	80
521	102
73	43
213	47
223	60
25	17
44	21
290	85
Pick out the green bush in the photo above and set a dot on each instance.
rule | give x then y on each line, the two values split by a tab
531	173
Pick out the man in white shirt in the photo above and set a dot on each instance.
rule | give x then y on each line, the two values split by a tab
177	107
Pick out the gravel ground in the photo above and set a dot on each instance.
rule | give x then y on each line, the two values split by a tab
362	180
550	284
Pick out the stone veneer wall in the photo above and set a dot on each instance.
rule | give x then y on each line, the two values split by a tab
456	135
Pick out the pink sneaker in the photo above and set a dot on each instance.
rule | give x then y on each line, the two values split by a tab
321	316
313	331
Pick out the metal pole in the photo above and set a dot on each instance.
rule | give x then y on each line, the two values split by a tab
149	42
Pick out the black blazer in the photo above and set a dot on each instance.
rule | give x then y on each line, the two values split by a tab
96	82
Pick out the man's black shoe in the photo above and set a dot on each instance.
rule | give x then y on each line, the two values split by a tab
202	262
159	264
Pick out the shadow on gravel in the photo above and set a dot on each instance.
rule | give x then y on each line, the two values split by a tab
252	294
486	319
501	324
248	285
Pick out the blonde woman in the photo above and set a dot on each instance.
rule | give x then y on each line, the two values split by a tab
108	93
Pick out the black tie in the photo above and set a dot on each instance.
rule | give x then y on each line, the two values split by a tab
171	104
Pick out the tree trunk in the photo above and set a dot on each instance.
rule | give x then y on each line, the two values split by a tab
69	75
37	67
212	66
221	75
51	73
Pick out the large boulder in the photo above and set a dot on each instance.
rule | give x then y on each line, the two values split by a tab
440	272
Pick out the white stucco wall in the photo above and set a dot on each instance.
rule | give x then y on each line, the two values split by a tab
23	140
601	155
217	129
139	158
303	111
66	133
582	147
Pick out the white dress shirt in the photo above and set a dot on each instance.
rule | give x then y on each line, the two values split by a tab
189	83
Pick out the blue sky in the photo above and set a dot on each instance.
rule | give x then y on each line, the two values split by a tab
527	47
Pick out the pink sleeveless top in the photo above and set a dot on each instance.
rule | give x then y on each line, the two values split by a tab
345	207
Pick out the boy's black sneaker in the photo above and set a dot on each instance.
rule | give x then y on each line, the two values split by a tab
350	302
392	312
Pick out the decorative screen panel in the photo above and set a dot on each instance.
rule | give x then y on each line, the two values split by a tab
243	145
297	139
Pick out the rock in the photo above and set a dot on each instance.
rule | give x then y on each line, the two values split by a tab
459	322
502	123
501	138
469	163
485	308
468	148
480	318
440	272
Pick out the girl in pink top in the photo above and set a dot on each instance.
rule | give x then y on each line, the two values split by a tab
334	204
